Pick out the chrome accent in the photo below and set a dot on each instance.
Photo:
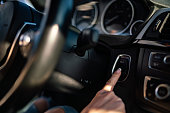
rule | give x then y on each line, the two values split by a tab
103	14
164	22
14	43
94	20
151	43
162	3
165	86
147	78
16	84
149	61
113	69
158	12
96	16
158	24
52	35
165	58
24	40
137	21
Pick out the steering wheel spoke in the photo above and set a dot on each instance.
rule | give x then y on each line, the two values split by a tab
32	56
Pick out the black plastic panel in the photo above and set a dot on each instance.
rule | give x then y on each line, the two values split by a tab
145	68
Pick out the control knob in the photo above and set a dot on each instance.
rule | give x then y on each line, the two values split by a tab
162	91
167	59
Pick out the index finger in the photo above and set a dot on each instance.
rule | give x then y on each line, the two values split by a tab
112	81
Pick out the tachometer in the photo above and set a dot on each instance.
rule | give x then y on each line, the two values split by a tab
117	17
85	16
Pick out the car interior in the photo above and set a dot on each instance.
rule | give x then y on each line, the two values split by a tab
66	50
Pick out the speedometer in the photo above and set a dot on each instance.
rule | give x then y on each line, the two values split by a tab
117	17
85	16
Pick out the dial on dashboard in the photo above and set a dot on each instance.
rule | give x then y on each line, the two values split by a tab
111	17
85	16
117	17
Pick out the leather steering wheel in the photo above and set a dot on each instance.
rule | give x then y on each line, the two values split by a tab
21	80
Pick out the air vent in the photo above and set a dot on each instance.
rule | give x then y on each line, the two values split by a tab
165	30
159	29
154	33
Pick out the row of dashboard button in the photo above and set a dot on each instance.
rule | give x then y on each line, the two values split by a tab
160	61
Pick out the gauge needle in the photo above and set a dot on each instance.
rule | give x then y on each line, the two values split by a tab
111	20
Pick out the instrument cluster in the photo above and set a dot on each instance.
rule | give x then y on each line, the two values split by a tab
111	17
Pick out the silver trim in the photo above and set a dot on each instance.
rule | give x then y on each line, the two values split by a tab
158	24
92	23
24	40
137	21
149	61
103	14
166	58
163	3
158	12
147	78
14	43
165	86
95	17
125	55
150	57
164	22
151	43
10	92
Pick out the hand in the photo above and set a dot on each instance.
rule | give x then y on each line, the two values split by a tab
105	100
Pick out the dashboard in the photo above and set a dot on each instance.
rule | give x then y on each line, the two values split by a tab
147	76
111	17
144	85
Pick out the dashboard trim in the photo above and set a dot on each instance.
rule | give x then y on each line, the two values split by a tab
15	42
150	57
154	16
131	27
165	86
146	79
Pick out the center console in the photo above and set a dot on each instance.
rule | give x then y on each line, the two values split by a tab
153	70
153	90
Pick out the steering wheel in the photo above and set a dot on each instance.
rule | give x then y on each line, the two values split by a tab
26	61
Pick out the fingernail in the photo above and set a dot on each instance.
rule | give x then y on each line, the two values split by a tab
119	70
